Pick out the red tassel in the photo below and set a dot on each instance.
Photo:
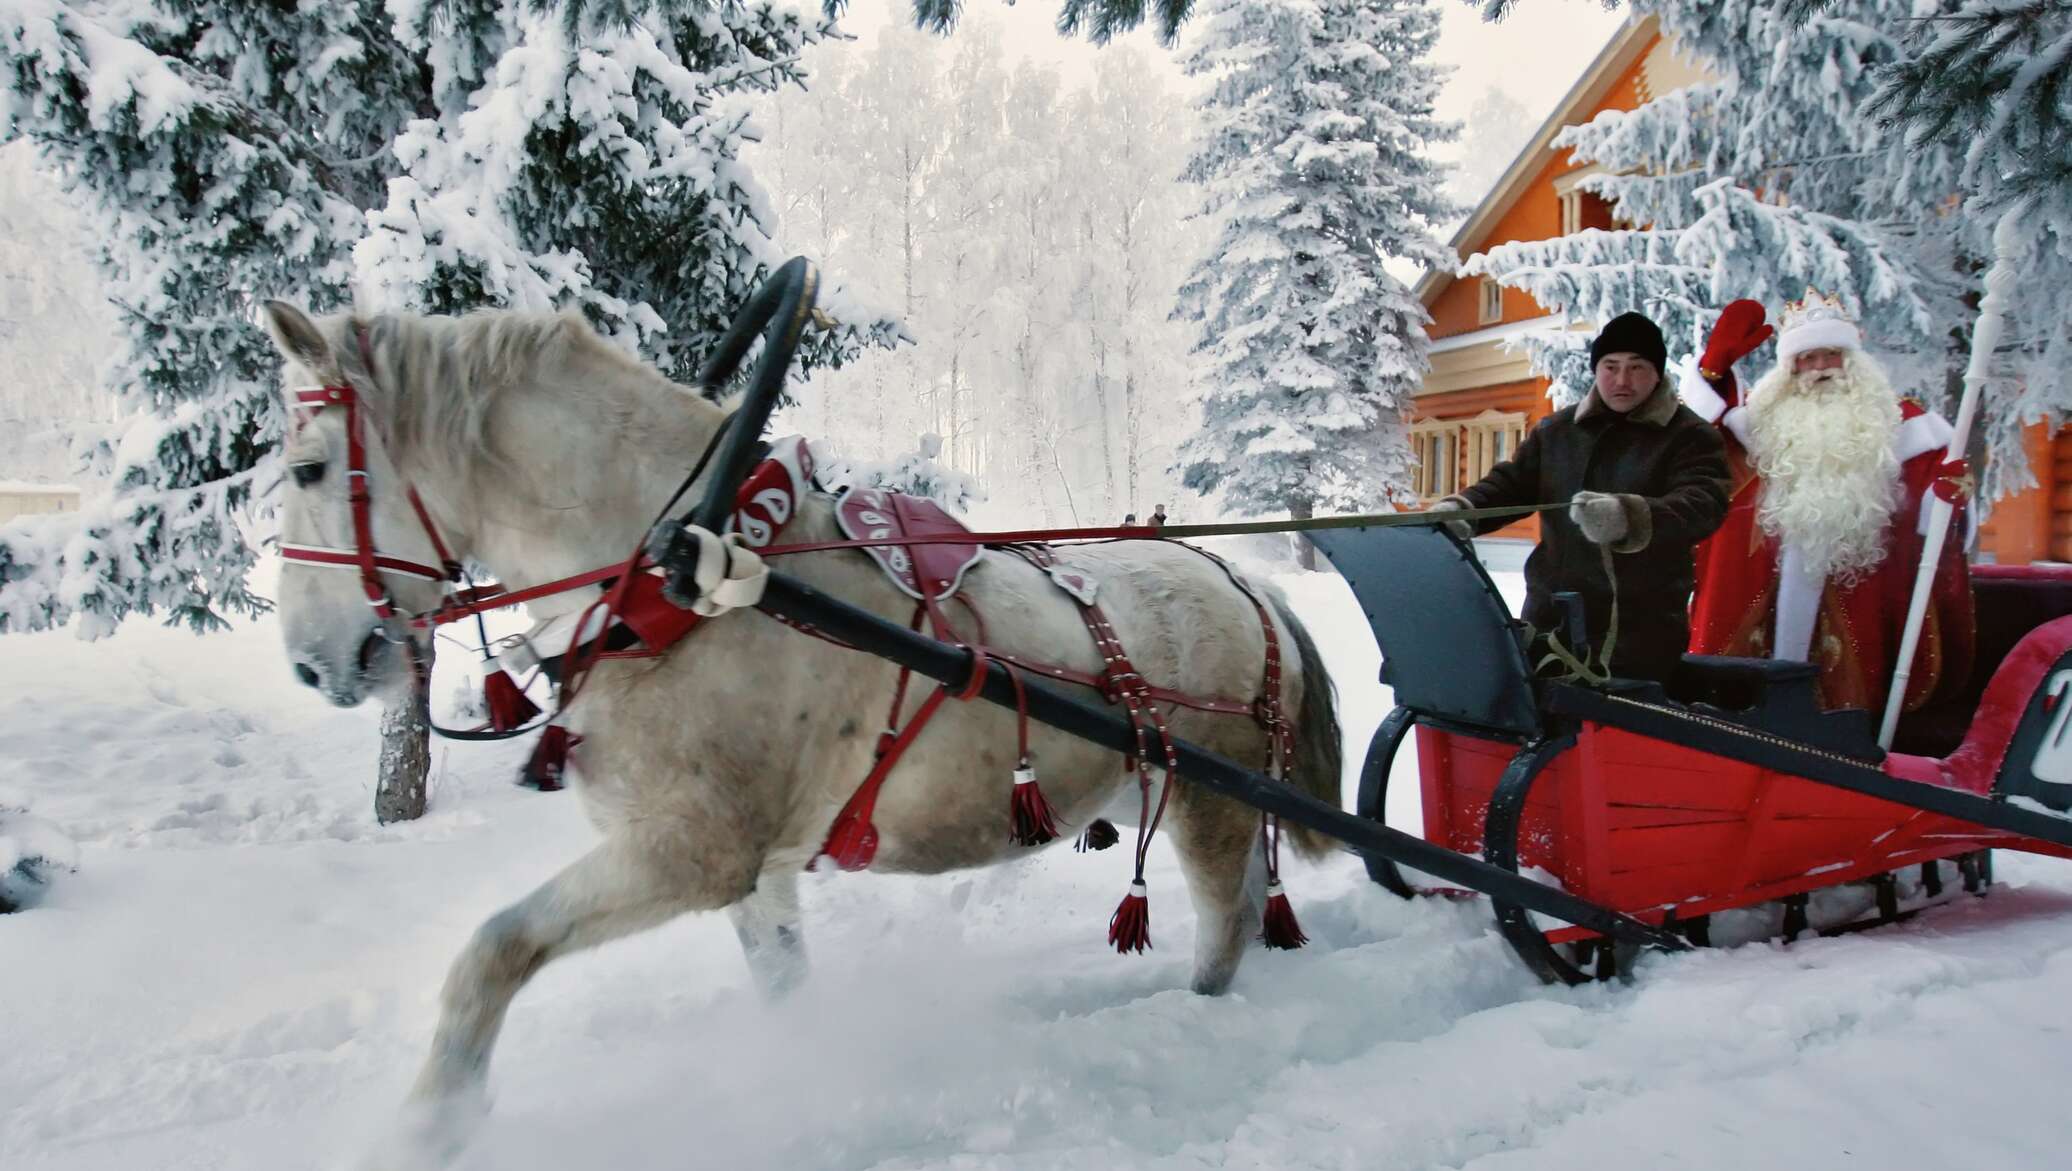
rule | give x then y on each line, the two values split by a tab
1280	929
543	770
1099	834
1130	928
1034	823
509	707
852	843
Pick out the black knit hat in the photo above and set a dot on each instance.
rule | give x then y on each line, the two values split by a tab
1631	333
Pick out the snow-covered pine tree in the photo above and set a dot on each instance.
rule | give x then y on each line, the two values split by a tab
1756	185
171	131
1991	82
1985	91
1316	161
582	155
445	154
594	162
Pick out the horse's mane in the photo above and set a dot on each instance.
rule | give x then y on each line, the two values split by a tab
438	379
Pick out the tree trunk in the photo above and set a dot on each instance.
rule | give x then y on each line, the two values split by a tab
406	749
1303	508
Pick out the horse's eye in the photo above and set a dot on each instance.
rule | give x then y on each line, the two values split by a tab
307	473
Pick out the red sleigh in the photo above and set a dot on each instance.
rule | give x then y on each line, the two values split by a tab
1725	789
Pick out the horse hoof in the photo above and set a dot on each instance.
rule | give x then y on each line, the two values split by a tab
429	1133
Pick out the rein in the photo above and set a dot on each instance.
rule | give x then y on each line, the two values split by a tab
476	600
1170	532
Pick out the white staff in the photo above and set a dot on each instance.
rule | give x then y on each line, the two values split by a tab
1985	337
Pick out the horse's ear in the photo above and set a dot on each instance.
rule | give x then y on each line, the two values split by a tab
297	336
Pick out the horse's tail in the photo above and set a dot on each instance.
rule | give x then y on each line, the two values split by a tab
1319	748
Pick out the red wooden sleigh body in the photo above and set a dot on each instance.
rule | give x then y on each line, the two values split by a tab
1727	788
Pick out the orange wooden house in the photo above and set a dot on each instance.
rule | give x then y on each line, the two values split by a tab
1481	394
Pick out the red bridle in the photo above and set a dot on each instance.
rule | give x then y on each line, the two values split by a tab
363	556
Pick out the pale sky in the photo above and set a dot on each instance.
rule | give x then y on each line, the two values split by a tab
1534	55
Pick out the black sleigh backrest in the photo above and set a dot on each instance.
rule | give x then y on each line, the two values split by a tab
1449	646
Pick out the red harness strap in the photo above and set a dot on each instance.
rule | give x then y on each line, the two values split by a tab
362	555
1121	682
852	841
1279	928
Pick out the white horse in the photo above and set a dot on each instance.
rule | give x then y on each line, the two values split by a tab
714	772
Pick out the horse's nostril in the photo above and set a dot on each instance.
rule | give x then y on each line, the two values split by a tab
307	674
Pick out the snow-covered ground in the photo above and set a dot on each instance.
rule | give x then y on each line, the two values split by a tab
242	972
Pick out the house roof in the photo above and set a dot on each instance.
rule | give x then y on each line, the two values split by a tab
1611	62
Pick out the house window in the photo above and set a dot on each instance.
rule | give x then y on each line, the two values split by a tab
1492	302
1571	213
1490	438
1435	445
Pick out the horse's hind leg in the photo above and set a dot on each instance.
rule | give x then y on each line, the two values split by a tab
614	890
1217	840
767	922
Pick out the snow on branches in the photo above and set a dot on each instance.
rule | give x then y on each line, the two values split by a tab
1807	161
1315	160
438	156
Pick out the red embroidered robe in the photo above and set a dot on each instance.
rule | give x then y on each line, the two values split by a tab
1855	627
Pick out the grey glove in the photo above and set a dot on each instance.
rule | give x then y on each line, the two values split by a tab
1616	519
1458	528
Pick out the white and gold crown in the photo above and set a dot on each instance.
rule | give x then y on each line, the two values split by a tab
1816	322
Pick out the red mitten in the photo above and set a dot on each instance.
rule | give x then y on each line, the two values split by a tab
1953	482
1739	330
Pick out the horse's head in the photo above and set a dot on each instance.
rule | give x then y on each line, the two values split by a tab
339	639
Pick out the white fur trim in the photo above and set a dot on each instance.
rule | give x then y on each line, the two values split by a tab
1798	605
1921	434
1697	393
1736	423
1826	334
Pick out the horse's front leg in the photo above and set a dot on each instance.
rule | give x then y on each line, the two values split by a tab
614	890
767	922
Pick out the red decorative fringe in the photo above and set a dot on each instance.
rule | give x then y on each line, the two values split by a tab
1099	834
1034	823
1280	929
549	760
509	708
1130	928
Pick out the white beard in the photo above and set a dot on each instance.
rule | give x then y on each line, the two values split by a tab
1824	448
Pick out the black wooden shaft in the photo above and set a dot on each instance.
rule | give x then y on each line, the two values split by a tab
792	599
